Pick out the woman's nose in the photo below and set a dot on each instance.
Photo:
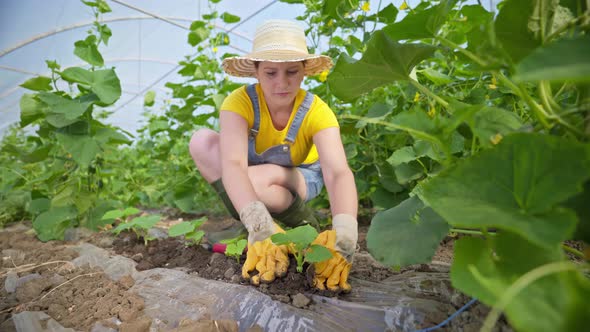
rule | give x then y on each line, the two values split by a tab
283	80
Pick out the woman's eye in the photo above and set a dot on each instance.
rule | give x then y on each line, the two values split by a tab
271	74
292	72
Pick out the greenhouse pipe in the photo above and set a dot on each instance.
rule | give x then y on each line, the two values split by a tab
131	59
115	19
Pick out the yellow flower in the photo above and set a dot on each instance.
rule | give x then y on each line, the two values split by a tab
225	39
323	75
330	22
432	111
366	7
403	6
493	85
496	138
214	49
417	97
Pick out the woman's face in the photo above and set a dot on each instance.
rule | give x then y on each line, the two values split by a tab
280	82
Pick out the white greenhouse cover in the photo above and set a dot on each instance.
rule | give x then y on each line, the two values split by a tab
149	39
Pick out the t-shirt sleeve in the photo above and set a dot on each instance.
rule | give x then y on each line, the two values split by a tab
238	102
320	117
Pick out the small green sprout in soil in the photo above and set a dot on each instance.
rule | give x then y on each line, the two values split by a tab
190	230
139	225
236	248
300	240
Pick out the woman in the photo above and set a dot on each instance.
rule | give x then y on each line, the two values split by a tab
264	163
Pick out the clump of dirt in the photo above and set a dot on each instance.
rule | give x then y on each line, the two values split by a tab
42	278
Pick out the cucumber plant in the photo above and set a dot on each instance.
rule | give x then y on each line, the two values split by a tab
236	249
190	230
139	225
299	240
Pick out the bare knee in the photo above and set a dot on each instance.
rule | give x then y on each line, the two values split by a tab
202	142
204	149
271	186
261	177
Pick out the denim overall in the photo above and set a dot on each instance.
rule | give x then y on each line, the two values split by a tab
278	154
297	213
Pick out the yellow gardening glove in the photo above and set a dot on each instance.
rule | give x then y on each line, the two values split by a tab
341	241
269	260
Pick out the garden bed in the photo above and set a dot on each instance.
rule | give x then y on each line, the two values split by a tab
52	278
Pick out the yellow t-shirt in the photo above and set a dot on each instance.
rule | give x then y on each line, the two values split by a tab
303	151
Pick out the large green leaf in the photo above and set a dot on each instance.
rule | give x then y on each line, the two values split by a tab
104	83
198	33
88	51
82	147
39	83
485	270
52	224
478	21
107	135
384	198
385	61
30	109
516	186
421	24
579	204
393	236
488	124
94	220
564	60
512	29
71	109
77	75
402	155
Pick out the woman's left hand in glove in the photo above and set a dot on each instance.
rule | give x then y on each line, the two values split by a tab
341	241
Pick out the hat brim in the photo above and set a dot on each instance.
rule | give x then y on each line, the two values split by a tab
243	66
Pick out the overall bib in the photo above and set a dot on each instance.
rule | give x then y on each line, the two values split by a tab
278	154
297	213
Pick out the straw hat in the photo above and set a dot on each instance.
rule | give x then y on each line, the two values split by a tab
277	41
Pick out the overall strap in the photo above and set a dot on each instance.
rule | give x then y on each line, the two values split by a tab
299	116
251	90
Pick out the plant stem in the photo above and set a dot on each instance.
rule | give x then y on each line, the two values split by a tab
429	93
544	96
469	231
566	26
465	52
573	251
520	284
299	259
521	92
412	131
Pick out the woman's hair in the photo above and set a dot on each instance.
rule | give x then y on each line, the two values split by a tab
257	63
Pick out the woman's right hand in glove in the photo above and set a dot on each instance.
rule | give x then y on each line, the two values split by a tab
268	259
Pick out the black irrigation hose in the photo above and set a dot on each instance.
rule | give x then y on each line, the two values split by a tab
446	321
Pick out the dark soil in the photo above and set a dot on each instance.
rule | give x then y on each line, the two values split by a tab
79	297
174	253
